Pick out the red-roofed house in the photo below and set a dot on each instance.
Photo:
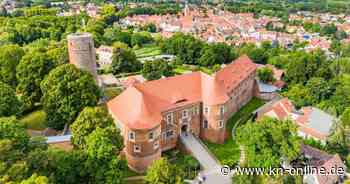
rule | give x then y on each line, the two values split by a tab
312	122
330	164
153	114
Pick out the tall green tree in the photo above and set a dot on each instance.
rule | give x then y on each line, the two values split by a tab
124	61
299	95
66	91
218	53
32	69
319	89
140	38
265	74
269	142
340	137
185	47
153	70
341	97
88	120
162	172
103	147
9	103
10	56
11	129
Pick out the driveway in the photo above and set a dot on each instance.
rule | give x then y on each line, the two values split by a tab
212	168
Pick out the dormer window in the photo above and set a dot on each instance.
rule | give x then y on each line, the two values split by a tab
132	136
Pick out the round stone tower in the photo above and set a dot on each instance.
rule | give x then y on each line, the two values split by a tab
82	52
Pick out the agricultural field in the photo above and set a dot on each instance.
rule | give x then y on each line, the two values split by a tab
148	51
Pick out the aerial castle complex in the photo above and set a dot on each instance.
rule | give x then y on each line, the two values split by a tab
153	115
82	53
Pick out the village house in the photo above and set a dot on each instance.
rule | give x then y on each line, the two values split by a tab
154	114
320	160
311	121
104	54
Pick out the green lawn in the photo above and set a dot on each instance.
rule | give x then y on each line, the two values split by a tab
206	70
181	69
112	92
35	120
229	153
148	51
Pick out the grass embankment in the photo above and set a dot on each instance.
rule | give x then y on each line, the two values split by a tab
35	120
229	153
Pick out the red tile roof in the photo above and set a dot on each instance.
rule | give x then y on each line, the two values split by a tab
284	109
324	160
141	105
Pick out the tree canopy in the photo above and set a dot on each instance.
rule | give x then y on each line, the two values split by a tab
9	103
265	74
32	69
162	172
66	91
10	56
88	120
218	53
153	70
124	61
268	141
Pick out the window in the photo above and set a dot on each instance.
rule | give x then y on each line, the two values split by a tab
206	110
151	136
169	118
222	110
169	133
132	136
184	113
221	124
137	148
156	145
205	124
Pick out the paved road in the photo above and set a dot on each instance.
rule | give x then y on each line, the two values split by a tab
212	169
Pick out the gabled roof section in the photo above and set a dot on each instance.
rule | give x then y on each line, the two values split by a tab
235	72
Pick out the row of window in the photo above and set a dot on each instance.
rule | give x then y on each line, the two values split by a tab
132	136
206	125
170	116
184	114
137	147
